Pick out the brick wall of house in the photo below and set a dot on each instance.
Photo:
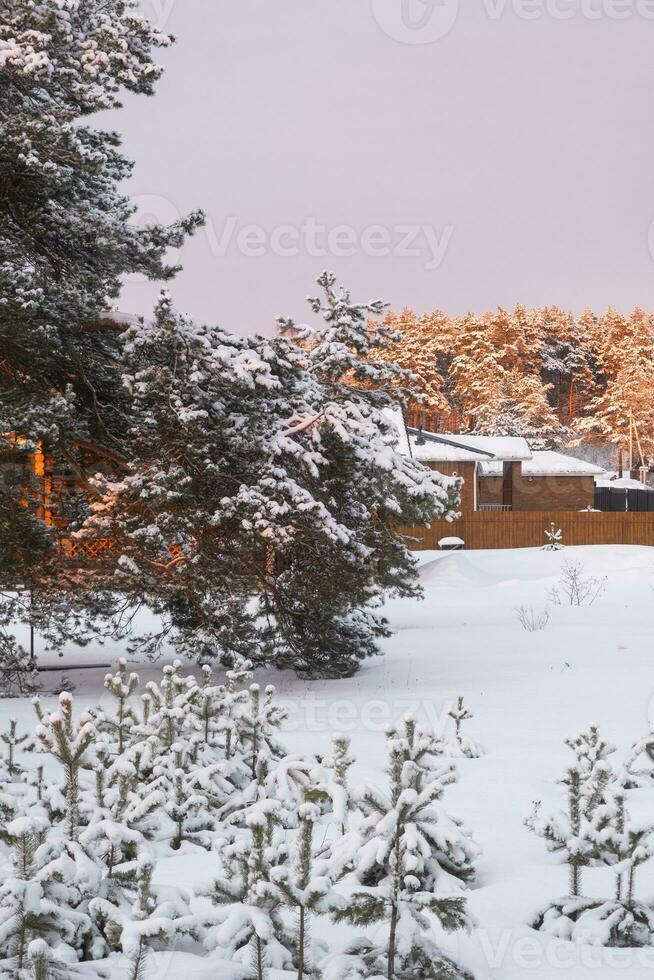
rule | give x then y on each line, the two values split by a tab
541	492
465	470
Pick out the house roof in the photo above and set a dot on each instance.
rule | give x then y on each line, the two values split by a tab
623	483
547	463
455	448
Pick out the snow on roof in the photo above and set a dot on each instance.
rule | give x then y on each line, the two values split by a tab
623	484
548	463
454	448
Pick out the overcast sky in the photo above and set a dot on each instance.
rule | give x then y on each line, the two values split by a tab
460	156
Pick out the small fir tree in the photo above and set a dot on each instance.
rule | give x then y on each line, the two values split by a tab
122	687
304	887
406	850
248	924
459	745
339	762
70	745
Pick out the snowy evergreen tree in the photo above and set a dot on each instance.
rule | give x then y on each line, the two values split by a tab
69	743
632	775
305	888
596	830
459	746
339	763
259	723
13	741
554	537
25	911
150	918
571	832
122	687
247	923
66	241
255	455
411	856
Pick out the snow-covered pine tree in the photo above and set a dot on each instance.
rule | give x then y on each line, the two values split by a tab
12	775
411	856
258	454
339	762
66	242
595	829
18	676
210	711
259	724
13	741
147	917
169	714
69	743
570	832
305	888
260	772
122	687
459	746
247	923
25	911
188	809
364	482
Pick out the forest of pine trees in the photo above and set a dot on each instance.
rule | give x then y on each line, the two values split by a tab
546	374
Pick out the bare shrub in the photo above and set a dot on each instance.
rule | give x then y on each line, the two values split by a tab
575	587
532	621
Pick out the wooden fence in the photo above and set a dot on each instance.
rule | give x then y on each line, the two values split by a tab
526	529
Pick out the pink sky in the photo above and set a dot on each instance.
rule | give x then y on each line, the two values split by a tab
509	160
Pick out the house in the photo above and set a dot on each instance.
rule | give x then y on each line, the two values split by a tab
503	473
547	481
464	455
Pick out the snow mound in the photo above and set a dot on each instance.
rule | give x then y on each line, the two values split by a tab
452	570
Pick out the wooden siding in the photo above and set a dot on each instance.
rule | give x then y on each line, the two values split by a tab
526	529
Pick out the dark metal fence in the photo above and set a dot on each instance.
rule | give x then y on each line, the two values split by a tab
619	499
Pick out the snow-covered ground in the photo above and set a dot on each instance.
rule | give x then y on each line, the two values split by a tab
527	690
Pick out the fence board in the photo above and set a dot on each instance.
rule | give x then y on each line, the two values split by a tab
526	529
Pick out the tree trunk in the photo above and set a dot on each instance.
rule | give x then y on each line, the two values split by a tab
259	958
630	886
300	950
391	943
